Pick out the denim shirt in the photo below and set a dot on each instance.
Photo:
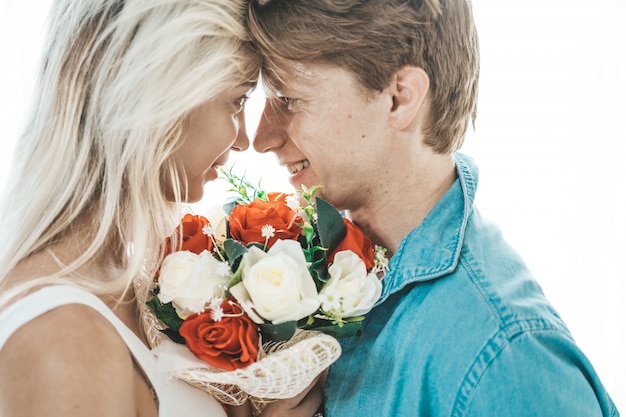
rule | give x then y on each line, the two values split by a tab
462	329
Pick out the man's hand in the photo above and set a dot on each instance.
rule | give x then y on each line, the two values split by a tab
305	404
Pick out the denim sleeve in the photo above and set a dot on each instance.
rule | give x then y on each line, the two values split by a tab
539	373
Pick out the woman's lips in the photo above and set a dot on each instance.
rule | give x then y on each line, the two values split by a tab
214	170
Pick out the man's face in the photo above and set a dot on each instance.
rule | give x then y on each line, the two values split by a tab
327	130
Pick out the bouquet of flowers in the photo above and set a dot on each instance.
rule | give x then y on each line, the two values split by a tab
261	295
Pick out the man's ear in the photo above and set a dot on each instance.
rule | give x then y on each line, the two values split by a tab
408	88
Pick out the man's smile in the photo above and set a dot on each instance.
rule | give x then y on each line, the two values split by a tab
298	166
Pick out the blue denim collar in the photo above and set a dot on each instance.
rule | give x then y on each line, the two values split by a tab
437	241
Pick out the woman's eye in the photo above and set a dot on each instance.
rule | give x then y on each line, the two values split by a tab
240	102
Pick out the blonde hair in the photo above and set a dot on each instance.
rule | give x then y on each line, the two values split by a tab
118	80
373	39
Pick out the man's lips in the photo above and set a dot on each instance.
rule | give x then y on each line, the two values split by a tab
298	166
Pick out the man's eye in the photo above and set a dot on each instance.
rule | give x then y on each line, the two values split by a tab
287	102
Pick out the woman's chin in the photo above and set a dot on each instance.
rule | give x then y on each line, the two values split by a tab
211	174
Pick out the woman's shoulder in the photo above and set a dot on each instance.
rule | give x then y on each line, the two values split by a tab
71	356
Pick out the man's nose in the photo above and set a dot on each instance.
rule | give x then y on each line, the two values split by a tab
269	134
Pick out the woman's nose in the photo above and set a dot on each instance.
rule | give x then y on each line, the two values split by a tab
242	142
269	134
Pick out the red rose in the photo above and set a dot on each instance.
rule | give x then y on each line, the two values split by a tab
357	242
230	343
193	237
245	221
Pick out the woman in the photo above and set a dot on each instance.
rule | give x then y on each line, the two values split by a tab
138	102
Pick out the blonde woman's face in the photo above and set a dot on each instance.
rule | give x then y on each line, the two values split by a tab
213	129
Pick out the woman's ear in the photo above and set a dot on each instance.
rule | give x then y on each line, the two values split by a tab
408	88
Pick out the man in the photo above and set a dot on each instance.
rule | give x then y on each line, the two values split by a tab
371	100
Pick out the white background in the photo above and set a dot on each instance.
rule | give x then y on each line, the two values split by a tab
550	142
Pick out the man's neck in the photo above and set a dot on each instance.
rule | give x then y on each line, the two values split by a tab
404	202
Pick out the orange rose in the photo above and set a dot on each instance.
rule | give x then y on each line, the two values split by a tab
229	344
245	221
278	197
194	238
357	242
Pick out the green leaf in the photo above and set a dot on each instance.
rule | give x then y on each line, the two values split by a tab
337	331
236	278
166	313
257	245
262	195
233	250
330	225
319	271
230	204
353	319
277	332
174	336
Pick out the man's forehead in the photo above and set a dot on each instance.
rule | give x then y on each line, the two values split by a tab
302	75
307	71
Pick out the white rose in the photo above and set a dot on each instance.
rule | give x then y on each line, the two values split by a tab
350	291
276	286
189	281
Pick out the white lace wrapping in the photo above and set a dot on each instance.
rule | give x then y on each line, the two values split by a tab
284	369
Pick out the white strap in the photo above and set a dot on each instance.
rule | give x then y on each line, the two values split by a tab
49	298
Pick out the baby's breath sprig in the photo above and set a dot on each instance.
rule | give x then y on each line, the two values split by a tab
209	231
381	262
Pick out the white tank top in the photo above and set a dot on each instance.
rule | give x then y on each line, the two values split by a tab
175	398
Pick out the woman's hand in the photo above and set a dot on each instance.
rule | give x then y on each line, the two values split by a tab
304	404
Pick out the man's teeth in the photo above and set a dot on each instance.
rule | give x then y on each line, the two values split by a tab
299	166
